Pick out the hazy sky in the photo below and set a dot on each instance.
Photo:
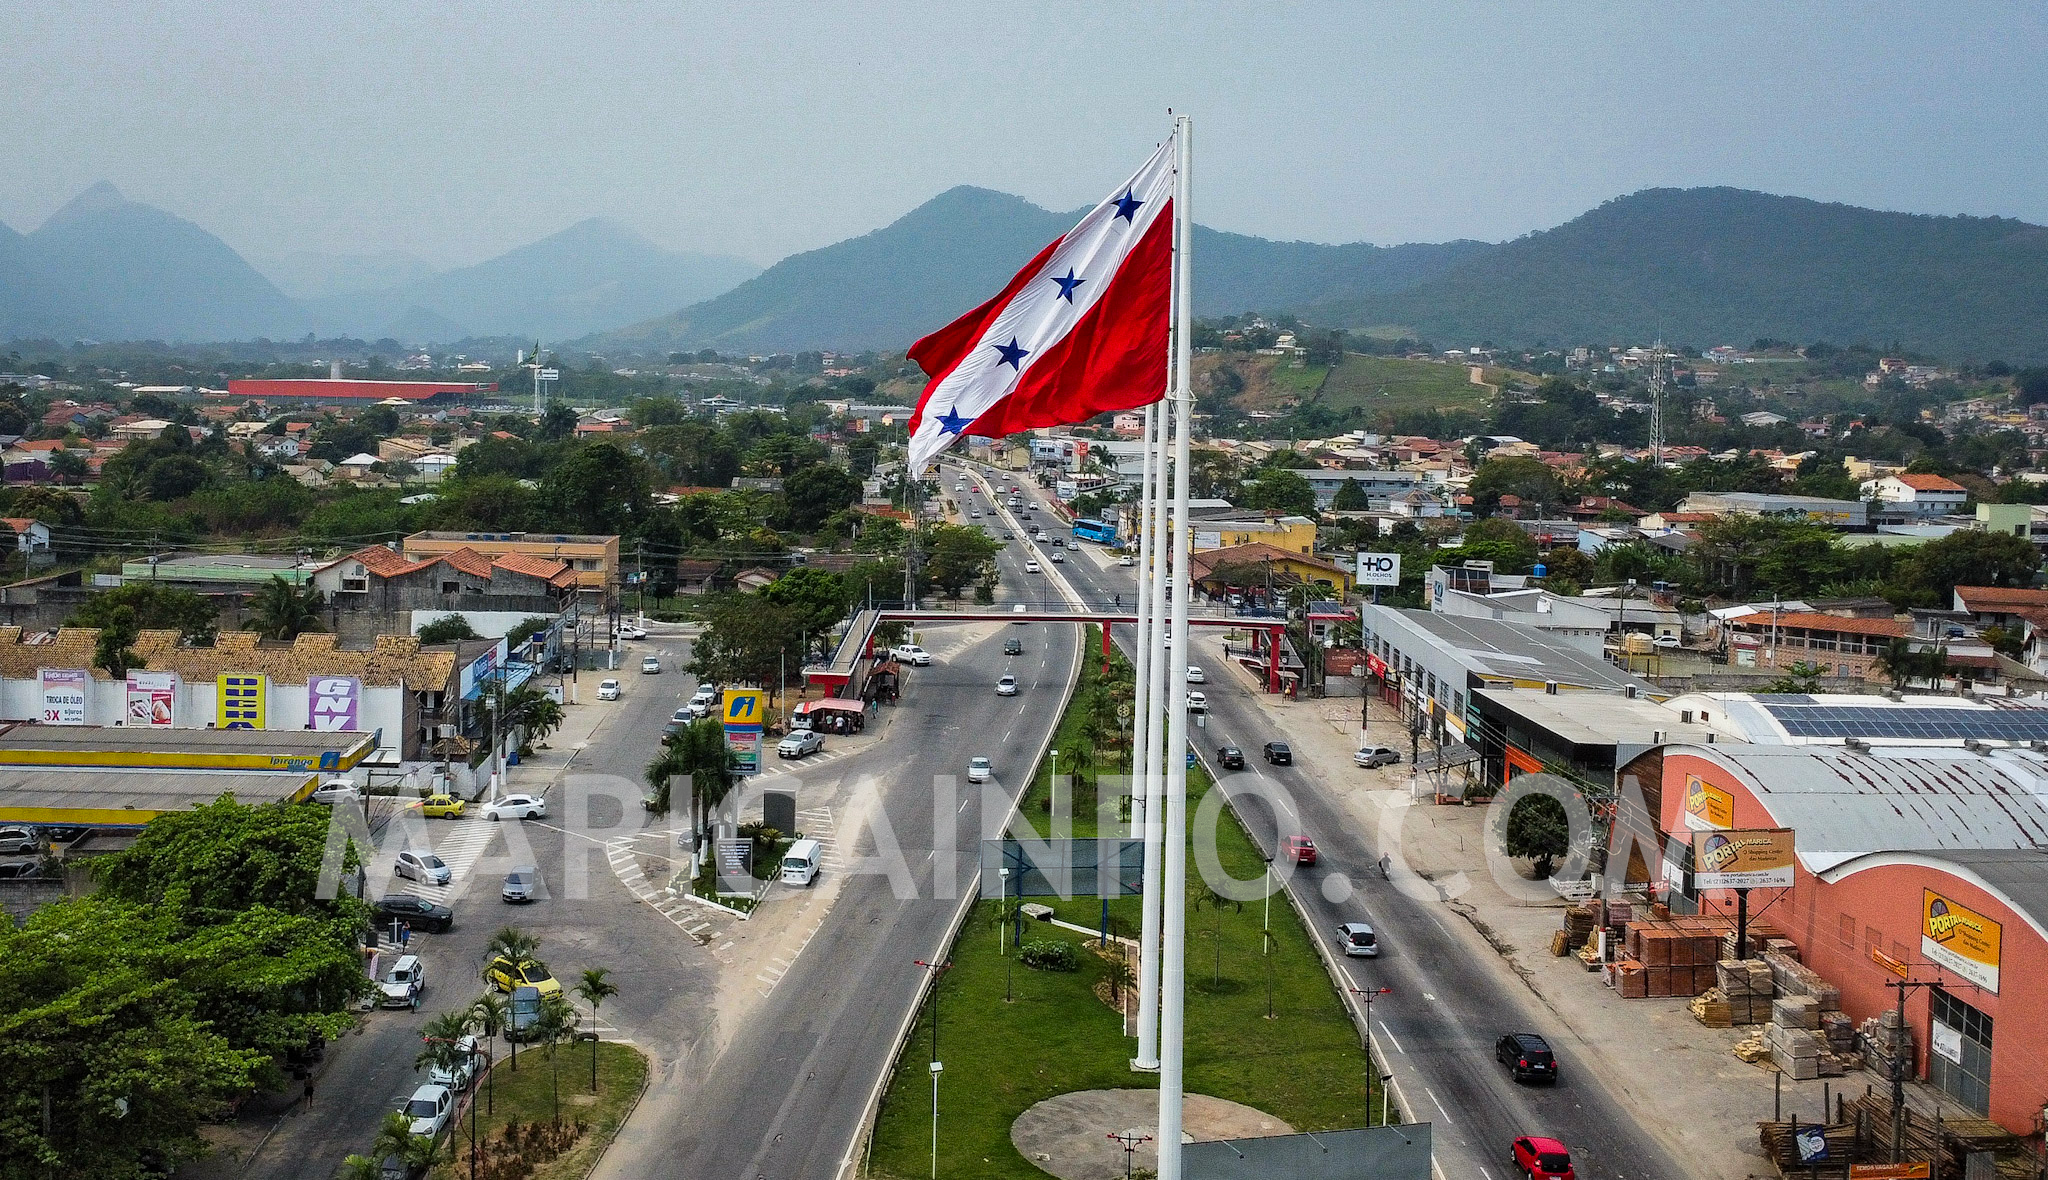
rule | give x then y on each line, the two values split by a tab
456	131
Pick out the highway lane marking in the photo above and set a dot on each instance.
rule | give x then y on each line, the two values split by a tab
1439	1104
1389	1034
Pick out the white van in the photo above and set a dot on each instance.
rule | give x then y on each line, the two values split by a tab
800	863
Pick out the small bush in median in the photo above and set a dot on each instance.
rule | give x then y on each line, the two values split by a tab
1048	955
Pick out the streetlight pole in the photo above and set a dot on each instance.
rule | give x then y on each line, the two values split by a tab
1052	785
1003	931
1266	936
936	969
1369	993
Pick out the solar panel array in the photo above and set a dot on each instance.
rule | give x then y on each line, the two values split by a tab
1805	716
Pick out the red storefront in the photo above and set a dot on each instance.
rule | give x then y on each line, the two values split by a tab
1918	865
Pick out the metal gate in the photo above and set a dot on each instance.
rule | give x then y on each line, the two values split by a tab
1959	1059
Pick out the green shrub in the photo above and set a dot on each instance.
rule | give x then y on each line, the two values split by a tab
1050	955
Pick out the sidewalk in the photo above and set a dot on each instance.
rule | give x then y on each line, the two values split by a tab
1676	1075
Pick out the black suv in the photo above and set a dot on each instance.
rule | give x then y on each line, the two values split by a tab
1014	647
1278	754
1230	757
417	912
1527	1057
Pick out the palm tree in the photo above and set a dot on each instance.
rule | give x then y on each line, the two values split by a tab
1897	661
491	1014
595	989
395	1138
361	1167
699	752
513	943
672	762
557	1023
536	711
1216	901
283	611
439	1039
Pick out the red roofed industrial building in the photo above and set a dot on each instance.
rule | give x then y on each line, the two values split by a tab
327	389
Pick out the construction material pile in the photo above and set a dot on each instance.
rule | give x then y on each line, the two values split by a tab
1808	1034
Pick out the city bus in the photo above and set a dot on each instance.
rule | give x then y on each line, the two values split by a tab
1095	530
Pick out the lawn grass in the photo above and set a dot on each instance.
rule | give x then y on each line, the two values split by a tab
1395	385
1055	1035
1300	380
529	1097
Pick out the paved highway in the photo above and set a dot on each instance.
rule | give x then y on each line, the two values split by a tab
1452	996
786	1093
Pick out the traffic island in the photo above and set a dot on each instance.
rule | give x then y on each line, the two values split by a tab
546	1122
1063	1135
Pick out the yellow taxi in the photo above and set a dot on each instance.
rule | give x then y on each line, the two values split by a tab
442	807
504	975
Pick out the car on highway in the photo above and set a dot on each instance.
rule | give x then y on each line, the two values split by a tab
1019	609
1196	675
403	983
333	791
1230	757
415	911
1358	940
1007	686
505	975
910	653
1372	757
607	690
631	632
517	807
976	514
521	884
1198	701
20	841
1299	850
443	806
1527	1056
650	666
428	1109
979	770
1278	753
423	866
1013	647
1540	1158
1031	567
799	744
1127	561
1073	546
1058	558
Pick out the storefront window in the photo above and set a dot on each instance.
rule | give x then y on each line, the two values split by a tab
1960	1058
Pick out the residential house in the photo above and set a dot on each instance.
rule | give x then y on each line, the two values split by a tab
1225	528
376	591
1910	497
30	535
754	578
594	558
1841	647
1260	564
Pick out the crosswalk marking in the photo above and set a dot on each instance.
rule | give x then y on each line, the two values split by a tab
460	845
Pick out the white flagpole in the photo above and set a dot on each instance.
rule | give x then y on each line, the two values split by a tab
1174	888
1145	739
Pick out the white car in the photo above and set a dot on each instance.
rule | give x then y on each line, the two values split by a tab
608	690
402	985
20	841
458	1076
1668	641
1007	686
1019	609
700	705
423	866
910	653
1031	567
631	632
1073	546
428	1109
1373	757
650	666
517	807
684	714
979	770
337	790
1127	561
798	744
1198	702
1196	675
1058	557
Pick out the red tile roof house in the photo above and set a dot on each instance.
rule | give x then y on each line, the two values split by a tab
2002	606
1840	647
1919	496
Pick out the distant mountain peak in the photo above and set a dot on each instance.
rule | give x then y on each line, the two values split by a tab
97	199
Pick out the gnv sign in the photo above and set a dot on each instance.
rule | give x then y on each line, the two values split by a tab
1379	569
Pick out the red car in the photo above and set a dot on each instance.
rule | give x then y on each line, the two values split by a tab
1543	1159
1299	849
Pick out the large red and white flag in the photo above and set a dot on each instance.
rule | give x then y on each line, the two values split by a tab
1079	331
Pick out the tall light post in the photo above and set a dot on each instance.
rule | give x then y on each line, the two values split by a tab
936	969
1052	784
1266	936
1003	931
1369	993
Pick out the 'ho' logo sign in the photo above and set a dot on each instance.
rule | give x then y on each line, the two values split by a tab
1379	569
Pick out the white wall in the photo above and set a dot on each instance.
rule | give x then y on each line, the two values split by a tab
106	703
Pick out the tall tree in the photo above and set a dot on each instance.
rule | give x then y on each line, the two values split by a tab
284	611
595	987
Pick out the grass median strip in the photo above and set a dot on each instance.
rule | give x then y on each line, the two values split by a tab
525	1102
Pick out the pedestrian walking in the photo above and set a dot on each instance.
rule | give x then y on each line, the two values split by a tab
309	1090
404	934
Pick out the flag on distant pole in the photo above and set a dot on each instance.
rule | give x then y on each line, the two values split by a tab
1081	330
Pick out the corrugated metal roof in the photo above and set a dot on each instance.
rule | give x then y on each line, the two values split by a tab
1845	803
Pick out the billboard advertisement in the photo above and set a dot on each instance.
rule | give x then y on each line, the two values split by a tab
1755	859
1708	808
152	699
240	701
1379	569
334	702
745	713
63	695
1959	938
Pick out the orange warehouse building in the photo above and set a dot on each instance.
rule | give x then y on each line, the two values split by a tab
1910	863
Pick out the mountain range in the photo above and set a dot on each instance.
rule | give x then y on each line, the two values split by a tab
1701	266
109	268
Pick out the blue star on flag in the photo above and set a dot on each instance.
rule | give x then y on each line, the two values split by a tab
1012	355
1127	205
1068	284
951	422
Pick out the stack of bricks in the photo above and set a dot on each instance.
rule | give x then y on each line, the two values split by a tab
1807	1005
1795	1051
1884	1038
1677	956
1746	984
